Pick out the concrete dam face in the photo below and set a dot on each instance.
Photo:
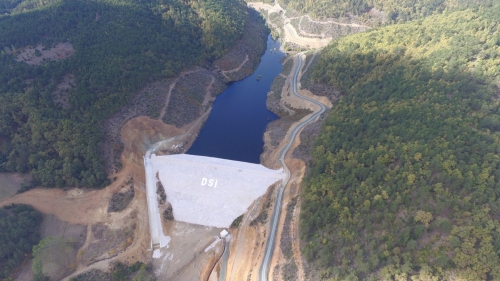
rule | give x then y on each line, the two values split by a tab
205	190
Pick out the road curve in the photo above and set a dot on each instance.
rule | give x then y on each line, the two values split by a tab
271	239
225	257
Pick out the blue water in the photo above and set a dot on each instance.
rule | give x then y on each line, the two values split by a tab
235	128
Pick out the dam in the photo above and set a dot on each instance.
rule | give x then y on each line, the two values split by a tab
203	190
207	189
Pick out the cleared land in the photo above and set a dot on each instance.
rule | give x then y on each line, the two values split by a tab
37	55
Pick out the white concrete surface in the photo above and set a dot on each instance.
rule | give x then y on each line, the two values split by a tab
153	211
205	190
157	254
158	238
217	239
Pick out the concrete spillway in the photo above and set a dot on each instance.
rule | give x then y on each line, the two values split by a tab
205	190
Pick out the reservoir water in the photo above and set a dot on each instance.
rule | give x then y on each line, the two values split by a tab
239	117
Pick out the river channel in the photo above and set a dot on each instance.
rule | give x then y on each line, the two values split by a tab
239	117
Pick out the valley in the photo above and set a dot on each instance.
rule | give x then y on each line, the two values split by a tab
387	136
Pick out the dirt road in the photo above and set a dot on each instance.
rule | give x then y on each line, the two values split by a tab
290	34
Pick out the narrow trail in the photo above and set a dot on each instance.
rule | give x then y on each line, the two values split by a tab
271	240
225	72
170	89
208	91
292	36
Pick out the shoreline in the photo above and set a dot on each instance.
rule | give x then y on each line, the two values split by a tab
90	207
137	134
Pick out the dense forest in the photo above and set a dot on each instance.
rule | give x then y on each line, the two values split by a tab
404	182
395	10
119	46
19	226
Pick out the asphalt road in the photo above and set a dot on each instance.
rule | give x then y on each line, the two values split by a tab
271	239
225	257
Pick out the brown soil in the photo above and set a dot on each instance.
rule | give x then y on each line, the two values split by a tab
90	207
177	101
300	31
247	247
188	256
59	52
148	102
124	235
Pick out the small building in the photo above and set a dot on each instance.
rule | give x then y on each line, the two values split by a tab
223	234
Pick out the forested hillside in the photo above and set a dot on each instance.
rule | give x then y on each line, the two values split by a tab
406	171
396	10
18	234
54	131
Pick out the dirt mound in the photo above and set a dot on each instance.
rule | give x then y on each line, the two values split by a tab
140	133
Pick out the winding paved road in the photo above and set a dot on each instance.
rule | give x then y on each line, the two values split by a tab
271	239
225	257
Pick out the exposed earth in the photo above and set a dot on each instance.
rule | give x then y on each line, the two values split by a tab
106	236
37	55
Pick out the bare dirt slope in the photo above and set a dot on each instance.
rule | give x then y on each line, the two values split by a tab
111	236
304	32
